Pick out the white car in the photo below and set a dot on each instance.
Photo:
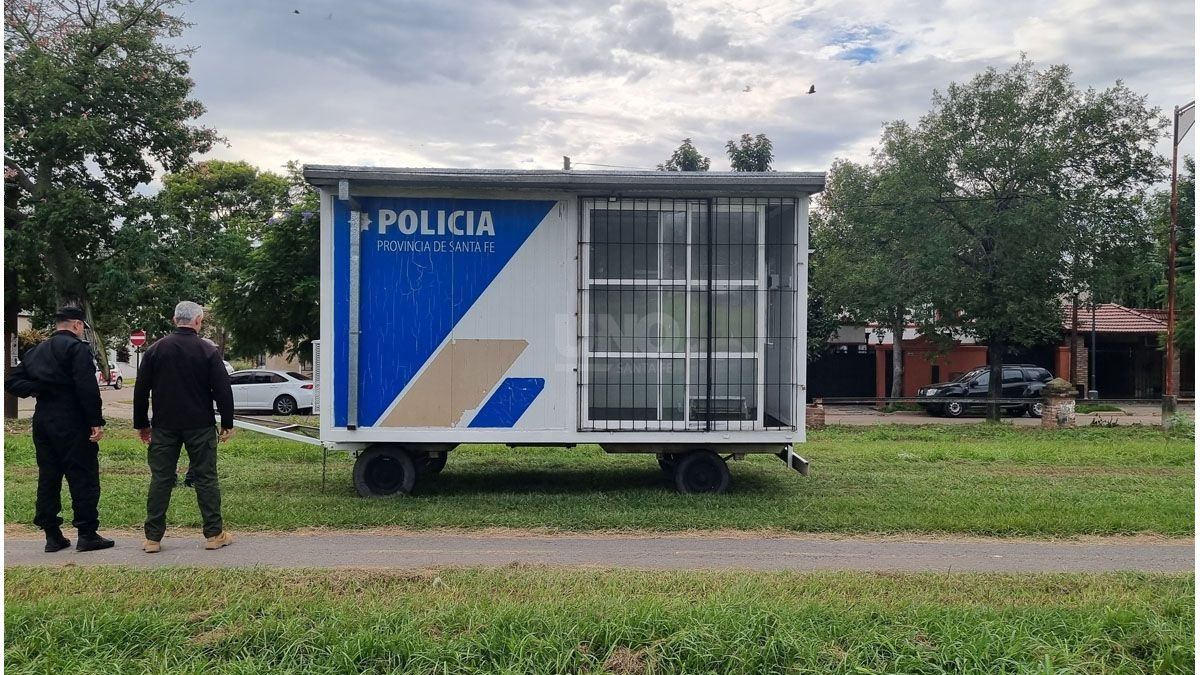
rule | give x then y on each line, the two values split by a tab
283	393
228	367
114	378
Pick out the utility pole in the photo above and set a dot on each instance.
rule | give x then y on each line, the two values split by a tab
1170	385
1093	394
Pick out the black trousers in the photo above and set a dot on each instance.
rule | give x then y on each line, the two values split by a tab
63	450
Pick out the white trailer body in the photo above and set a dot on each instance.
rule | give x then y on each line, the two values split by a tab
653	312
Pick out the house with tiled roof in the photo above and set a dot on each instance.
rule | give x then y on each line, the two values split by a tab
1128	357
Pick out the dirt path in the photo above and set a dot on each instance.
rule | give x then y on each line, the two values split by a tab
801	553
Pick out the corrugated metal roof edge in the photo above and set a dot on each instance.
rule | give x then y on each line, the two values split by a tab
774	181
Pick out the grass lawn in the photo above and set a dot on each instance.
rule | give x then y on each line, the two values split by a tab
542	620
1085	408
982	479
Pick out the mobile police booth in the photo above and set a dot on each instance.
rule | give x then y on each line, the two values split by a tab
645	312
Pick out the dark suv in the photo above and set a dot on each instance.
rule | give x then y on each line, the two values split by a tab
1021	380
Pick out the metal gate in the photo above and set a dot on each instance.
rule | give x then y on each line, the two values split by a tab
688	314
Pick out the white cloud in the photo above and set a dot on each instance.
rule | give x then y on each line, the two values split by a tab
521	83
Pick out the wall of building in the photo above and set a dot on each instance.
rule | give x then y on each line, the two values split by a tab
920	361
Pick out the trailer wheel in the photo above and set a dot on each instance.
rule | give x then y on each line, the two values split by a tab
701	472
384	471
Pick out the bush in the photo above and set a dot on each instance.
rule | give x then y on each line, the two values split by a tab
28	339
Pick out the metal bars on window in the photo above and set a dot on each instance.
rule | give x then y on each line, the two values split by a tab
688	314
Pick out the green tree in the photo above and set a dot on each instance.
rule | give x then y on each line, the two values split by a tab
95	100
685	158
271	303
750	153
823	321
1015	175
1185	258
867	254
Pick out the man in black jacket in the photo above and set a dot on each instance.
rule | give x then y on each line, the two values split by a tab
67	425
184	375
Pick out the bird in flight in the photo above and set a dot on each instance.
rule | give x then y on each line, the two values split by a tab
812	89
295	11
747	89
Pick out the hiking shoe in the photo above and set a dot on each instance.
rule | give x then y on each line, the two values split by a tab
90	541
151	546
216	542
55	541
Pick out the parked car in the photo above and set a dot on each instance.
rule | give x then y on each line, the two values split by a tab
114	378
283	393
1021	380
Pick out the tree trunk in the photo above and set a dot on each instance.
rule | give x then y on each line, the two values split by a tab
995	351
898	356
72	291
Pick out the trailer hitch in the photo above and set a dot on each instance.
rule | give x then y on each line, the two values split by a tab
793	460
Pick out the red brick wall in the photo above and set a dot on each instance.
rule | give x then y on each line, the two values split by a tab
919	359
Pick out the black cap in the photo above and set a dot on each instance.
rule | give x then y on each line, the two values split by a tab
70	314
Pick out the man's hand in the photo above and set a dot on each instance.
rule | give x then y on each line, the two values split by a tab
224	435
144	434
97	434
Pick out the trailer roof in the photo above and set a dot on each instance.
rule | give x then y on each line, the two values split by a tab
697	183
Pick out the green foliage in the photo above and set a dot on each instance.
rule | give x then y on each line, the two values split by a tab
30	338
541	619
685	158
193	235
823	322
1021	185
750	153
96	99
1088	408
1185	259
867	258
269	302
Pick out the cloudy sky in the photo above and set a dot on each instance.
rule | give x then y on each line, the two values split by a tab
519	83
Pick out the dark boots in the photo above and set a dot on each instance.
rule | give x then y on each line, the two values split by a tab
91	541
55	541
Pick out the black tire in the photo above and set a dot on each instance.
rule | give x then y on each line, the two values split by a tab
1036	409
954	409
431	464
118	383
384	471
701	472
285	405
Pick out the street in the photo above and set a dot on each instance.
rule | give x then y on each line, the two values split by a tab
118	404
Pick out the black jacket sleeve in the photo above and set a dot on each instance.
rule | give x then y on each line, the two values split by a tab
141	391
83	375
19	384
222	392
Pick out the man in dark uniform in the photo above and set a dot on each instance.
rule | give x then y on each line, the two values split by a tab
183	375
67	424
